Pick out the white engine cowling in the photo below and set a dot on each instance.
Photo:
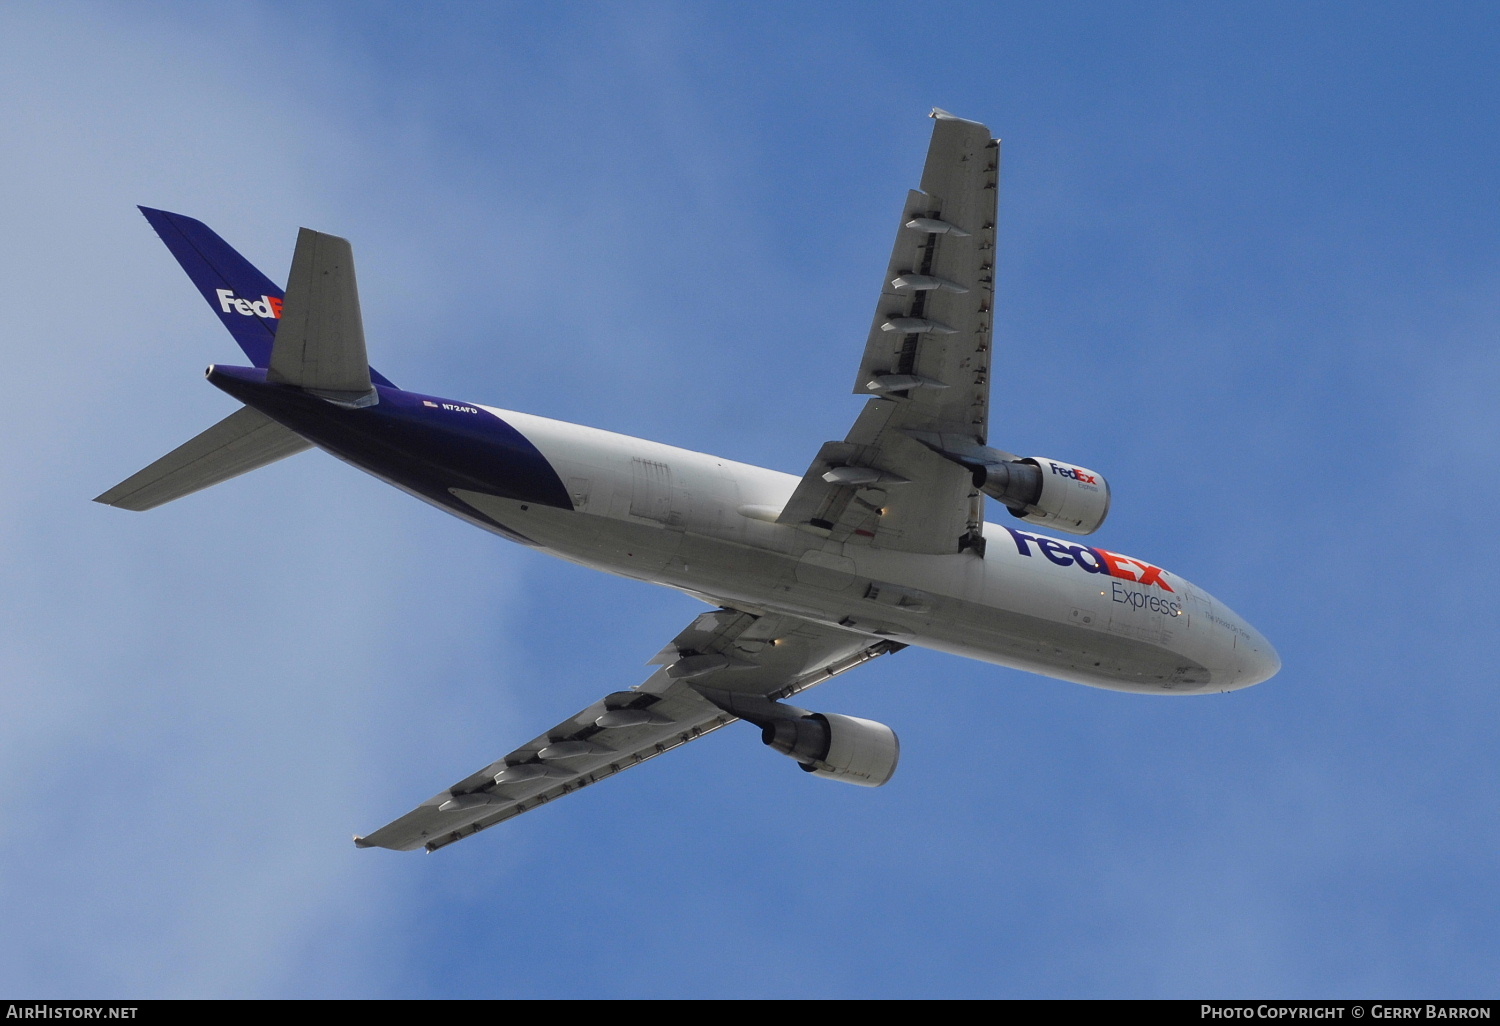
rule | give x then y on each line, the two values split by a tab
843	748
1072	499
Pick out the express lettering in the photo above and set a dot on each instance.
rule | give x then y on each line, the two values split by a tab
265	306
1094	561
1140	600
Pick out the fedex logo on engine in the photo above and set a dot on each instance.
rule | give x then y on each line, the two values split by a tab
1094	561
1074	473
265	306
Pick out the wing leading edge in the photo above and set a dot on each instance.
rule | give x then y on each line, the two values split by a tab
722	652
926	364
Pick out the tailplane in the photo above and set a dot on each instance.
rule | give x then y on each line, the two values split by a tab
249	304
242	442
320	345
311	337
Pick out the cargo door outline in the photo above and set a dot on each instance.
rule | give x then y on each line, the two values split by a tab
651	490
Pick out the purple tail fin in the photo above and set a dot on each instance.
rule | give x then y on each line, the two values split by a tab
246	301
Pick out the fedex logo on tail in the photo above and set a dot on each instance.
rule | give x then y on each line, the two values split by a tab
1077	475
1094	561
265	306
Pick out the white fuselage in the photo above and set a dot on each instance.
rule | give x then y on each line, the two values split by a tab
706	526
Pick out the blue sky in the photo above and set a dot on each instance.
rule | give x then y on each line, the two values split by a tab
1249	269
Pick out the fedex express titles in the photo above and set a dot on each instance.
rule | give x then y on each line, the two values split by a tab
1111	564
265	306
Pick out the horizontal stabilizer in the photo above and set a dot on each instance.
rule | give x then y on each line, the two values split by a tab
247	302
236	445
320	344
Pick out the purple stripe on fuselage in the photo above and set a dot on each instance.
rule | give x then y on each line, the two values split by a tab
424	443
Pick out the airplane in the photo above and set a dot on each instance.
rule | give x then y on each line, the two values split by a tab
881	544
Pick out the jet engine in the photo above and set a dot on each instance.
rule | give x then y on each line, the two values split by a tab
843	748
1048	492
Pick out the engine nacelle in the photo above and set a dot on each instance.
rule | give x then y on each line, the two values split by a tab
843	748
1049	492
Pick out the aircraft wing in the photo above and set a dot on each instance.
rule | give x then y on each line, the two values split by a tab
727	653
927	365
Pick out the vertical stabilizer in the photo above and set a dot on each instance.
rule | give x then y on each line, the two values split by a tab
247	302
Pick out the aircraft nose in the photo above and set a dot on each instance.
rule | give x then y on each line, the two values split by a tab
1257	658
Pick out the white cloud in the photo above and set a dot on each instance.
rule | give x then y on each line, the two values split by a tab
202	702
